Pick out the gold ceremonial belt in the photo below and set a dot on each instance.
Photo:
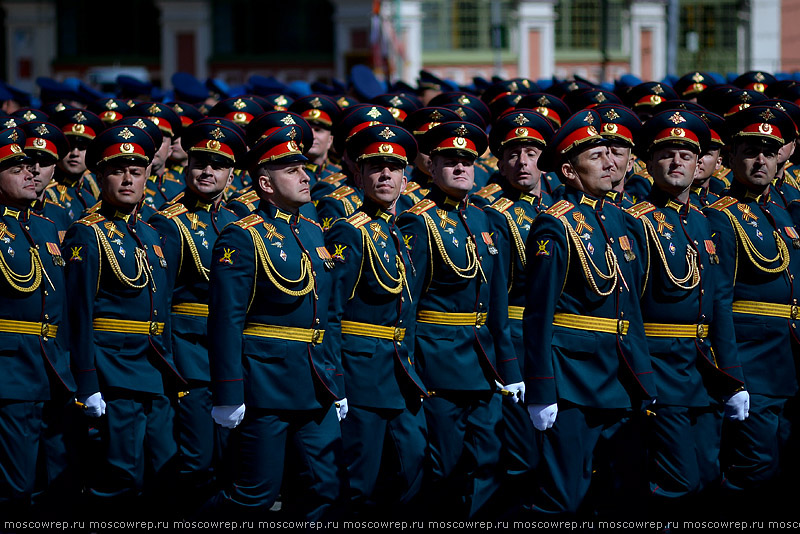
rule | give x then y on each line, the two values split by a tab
451	319
515	312
373	330
289	333
592	324
28	327
699	331
190	308
784	311
123	326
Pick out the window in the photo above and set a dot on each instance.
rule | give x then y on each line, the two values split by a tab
579	24
463	24
707	39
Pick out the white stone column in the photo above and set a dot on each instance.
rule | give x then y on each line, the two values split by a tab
30	41
185	18
409	34
537	38
765	35
649	28
349	16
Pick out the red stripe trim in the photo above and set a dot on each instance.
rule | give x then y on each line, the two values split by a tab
41	144
123	149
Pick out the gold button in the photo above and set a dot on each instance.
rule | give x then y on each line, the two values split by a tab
155	312
47	317
603	217
702	291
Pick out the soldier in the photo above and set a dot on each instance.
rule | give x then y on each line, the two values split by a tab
163	181
757	247
190	225
686	309
585	350
33	297
370	310
462	340
76	188
119	311
517	140
45	144
322	113
710	162
619	125
343	196
268	304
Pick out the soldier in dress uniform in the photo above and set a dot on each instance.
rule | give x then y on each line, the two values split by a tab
586	365
338	195
370	310
517	140
620	126
77	189
119	297
710	161
46	144
268	309
33	297
190	225
322	113
686	309
419	179
462	339
757	245
163	181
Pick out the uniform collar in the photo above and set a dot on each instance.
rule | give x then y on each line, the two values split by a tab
274	212
19	214
195	203
446	202
660	198
375	211
113	214
742	194
580	198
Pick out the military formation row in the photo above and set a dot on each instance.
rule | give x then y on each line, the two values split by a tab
402	311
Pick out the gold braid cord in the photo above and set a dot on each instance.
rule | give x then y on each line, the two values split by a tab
186	237
275	277
588	264
142	266
34	276
520	244
693	268
372	253
473	265
756	258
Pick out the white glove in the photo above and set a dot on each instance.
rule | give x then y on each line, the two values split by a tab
341	408
228	416
737	406
543	416
94	404
515	391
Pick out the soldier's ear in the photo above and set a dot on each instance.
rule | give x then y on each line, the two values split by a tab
568	171
265	182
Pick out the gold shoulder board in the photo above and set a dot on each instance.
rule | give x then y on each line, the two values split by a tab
249	221
502	204
560	208
334	178
173	211
92	219
342	192
358	219
723	203
422	206
642	208
489	190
